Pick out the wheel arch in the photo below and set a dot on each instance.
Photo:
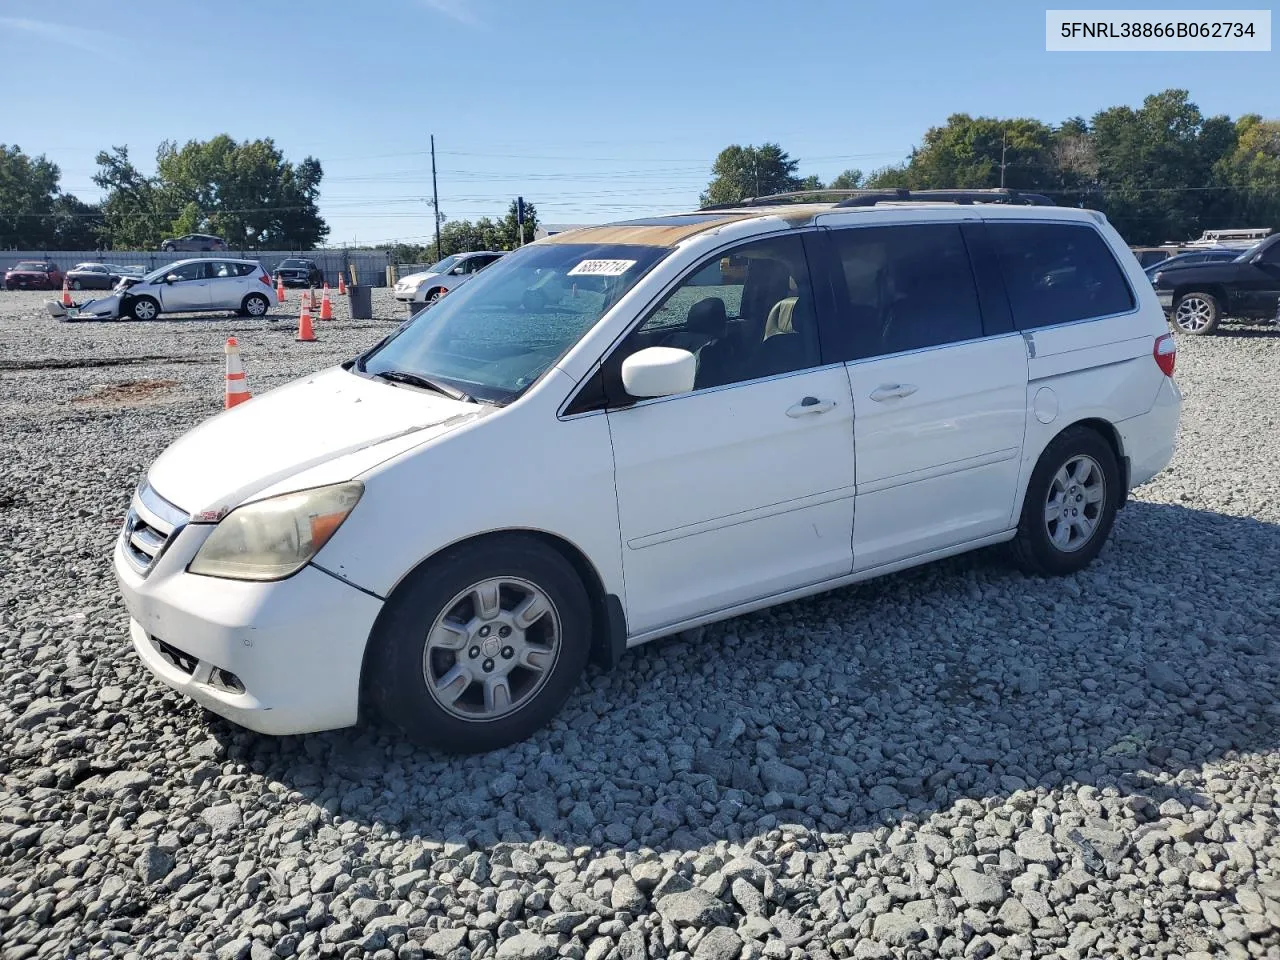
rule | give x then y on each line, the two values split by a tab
608	617
1108	432
1214	289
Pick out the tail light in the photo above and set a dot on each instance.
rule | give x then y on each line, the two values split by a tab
1165	353
265	279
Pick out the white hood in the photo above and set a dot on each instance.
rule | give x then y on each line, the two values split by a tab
330	416
416	279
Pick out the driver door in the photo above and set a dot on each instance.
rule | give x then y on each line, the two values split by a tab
743	488
189	290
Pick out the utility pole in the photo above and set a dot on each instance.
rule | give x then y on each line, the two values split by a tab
435	195
1002	163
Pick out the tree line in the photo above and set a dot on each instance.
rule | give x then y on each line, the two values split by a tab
245	192
461	236
1161	172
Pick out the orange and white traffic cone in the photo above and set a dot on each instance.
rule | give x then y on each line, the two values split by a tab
237	386
66	293
306	333
326	307
280	290
342	284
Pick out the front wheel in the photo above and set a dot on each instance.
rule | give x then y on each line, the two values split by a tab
1197	313
481	647
1070	504
255	305
75	285
144	308
168	248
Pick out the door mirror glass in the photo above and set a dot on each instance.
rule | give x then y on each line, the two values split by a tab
171	278
659	372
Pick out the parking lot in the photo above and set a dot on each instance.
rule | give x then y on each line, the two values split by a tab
958	761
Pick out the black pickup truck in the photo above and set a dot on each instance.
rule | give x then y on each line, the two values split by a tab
1197	295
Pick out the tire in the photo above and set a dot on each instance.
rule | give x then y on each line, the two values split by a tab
75	285
255	305
169	248
403	660
144	308
433	296
1196	313
1077	465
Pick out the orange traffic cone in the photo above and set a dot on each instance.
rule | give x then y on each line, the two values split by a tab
306	334
326	307
279	290
237	386
342	284
66	293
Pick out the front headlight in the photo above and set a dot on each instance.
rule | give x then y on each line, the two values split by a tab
275	538
1155	278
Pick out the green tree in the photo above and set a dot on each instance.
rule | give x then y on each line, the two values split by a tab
810	183
132	213
243	191
1156	164
852	179
740	172
1250	174
33	210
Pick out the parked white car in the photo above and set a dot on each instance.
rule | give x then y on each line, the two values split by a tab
622	432
431	284
185	286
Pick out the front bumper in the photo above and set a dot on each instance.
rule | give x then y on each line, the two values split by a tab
295	646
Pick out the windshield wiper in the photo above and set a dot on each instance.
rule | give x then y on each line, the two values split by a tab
416	380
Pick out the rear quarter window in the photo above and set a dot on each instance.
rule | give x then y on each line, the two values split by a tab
1058	273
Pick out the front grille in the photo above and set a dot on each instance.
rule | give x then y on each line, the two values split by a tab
149	527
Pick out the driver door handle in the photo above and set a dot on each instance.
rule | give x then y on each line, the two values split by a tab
893	391
810	406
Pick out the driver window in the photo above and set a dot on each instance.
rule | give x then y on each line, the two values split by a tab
188	271
745	314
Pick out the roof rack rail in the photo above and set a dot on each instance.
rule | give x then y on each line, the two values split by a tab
870	197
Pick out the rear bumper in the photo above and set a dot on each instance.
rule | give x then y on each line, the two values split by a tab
295	646
1150	439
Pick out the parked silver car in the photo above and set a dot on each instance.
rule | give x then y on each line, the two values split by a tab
185	286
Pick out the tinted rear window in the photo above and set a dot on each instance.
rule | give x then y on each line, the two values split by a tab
907	287
1058	272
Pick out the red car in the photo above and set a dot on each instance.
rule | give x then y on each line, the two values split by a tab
33	275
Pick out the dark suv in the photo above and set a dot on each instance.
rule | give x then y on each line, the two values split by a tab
1198	295
298	272
194	242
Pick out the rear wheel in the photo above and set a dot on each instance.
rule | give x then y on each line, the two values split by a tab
255	305
481	647
1197	313
1070	504
144	308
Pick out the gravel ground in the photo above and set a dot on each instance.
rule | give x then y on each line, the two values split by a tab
955	761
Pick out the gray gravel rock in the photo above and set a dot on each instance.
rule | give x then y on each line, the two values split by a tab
693	908
526	946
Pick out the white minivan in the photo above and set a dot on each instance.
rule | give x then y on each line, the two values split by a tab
626	431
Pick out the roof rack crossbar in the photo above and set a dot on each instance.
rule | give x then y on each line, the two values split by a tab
870	197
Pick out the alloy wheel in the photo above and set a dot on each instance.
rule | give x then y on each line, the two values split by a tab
492	649
1073	508
1193	314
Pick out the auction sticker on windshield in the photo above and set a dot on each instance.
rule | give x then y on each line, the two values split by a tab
601	268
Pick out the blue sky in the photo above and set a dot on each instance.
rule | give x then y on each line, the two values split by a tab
593	111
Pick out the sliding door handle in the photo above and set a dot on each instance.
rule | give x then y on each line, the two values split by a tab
893	391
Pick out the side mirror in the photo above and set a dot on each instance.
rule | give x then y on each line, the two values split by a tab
171	278
455	272
659	372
